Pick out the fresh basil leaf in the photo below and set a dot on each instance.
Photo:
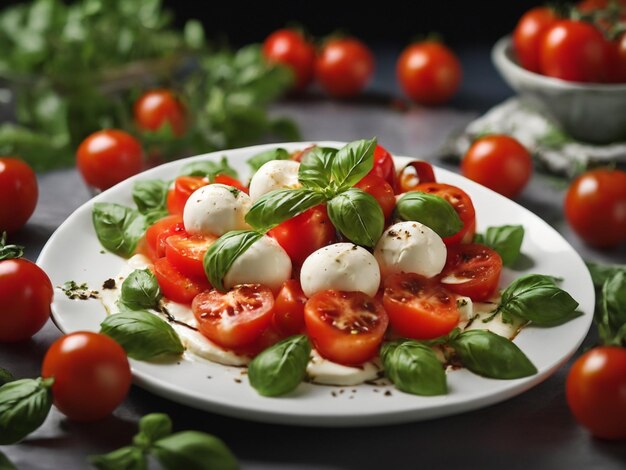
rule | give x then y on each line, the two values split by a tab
352	162
126	458
155	215
24	406
537	298
140	290
222	254
613	308
506	240
260	159
600	273
491	355
283	204
155	426
5	376
314	172
413	367
433	211
150	195
143	335
118	228
358	216
280	368
209	169
193	450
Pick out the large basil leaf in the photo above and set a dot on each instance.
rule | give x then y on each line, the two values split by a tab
413	367
352	162
24	406
280	368
277	206
193	450
118	228
506	240
140	290
143	335
491	355
314	172
222	254
358	216
150	195
260	159
209	169
433	211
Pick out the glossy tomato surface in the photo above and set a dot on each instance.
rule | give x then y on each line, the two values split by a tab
344	67
175	285
186	252
157	108
18	193
184	186
158	232
289	308
415	173
529	33
473	271
384	165
382	192
290	48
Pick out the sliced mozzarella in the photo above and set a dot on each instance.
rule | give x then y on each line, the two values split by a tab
216	209
323	371
466	310
275	174
342	266
265	262
410	247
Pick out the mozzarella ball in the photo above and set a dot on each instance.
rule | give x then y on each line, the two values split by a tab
265	262
342	266
216	209
410	247
275	174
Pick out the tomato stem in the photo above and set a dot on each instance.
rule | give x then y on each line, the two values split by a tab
9	251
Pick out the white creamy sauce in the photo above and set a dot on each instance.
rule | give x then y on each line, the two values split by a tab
323	371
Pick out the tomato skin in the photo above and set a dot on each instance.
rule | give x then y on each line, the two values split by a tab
186	253
230	181
91	375
418	307
345	327
382	192
384	166
574	51
289	308
18	184
429	72
184	186
305	233
478	262
500	163
344	67
175	285
157	234
595	207
109	156
25	297
415	173
596	391
290	48
236	318
529	33
155	108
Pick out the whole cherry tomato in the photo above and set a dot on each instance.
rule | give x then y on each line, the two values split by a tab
344	67
155	108
290	48
18	185
528	34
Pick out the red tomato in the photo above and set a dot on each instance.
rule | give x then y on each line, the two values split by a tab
175	285
156	108
344	67
499	162
290	48
617	68
596	391
236	318
159	231
415	173
462	205
186	253
109	156
384	166
18	185
345	327
382	192
429	72
529	33
588	6
91	375
289	308
298	155
230	181
184	186
25	297
595	207
479	265
418	307
305	233
574	51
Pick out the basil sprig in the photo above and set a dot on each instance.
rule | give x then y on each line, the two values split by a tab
24	406
314	172
351	163
433	211
143	335
358	216
506	240
209	169
150	195
277	206
260	159
280	368
611	312
118	228
140	290
186	449
600	273
413	367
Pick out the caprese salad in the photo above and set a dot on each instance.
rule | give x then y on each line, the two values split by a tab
329	266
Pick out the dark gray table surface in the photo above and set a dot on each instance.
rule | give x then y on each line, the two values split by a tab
534	430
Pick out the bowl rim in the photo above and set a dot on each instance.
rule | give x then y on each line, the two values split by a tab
501	56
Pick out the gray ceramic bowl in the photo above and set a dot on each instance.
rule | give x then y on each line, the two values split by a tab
594	113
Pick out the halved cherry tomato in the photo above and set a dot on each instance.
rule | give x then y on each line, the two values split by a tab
230	181
415	173
158	232
184	186
384	166
381	190
462	205
186	252
236	318
345	327
305	233
419	307
289	308
175	285
473	271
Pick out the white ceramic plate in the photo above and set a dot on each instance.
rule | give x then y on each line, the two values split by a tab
74	253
